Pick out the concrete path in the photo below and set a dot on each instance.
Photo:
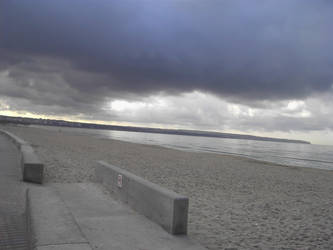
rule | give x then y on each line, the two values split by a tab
76	216
13	226
84	216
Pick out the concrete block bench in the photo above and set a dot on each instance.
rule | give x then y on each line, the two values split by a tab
165	207
32	167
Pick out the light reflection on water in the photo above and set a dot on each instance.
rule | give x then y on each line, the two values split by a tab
294	154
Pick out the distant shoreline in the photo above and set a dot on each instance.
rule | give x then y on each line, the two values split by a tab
62	123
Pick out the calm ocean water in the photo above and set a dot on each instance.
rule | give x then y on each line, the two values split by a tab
293	154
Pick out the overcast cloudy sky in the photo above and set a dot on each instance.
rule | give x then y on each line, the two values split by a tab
262	67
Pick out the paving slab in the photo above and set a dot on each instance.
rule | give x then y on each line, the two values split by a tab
53	223
108	224
89	201
131	232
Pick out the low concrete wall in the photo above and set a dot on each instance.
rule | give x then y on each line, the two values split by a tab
165	207
32	167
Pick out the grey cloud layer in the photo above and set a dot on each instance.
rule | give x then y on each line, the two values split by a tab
204	111
243	50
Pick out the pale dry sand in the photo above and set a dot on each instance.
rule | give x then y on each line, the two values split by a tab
235	202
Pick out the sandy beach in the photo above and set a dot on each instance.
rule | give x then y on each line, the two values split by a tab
235	202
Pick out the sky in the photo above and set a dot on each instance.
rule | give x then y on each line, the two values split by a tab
261	67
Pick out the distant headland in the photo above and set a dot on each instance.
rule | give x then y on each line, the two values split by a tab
62	123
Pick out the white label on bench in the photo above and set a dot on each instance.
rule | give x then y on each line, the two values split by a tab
120	180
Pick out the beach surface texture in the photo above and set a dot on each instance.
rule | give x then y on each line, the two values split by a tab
235	202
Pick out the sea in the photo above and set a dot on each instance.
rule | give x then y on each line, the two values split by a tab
289	154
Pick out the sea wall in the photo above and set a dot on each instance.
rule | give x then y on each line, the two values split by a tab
32	167
165	207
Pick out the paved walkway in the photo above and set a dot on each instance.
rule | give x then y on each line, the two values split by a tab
74	216
83	216
13	227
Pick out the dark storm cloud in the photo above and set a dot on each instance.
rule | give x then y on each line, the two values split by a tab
259	49
39	85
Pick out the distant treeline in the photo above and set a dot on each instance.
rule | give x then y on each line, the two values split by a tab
62	123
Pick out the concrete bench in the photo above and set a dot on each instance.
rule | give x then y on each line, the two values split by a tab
165	207
32	167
